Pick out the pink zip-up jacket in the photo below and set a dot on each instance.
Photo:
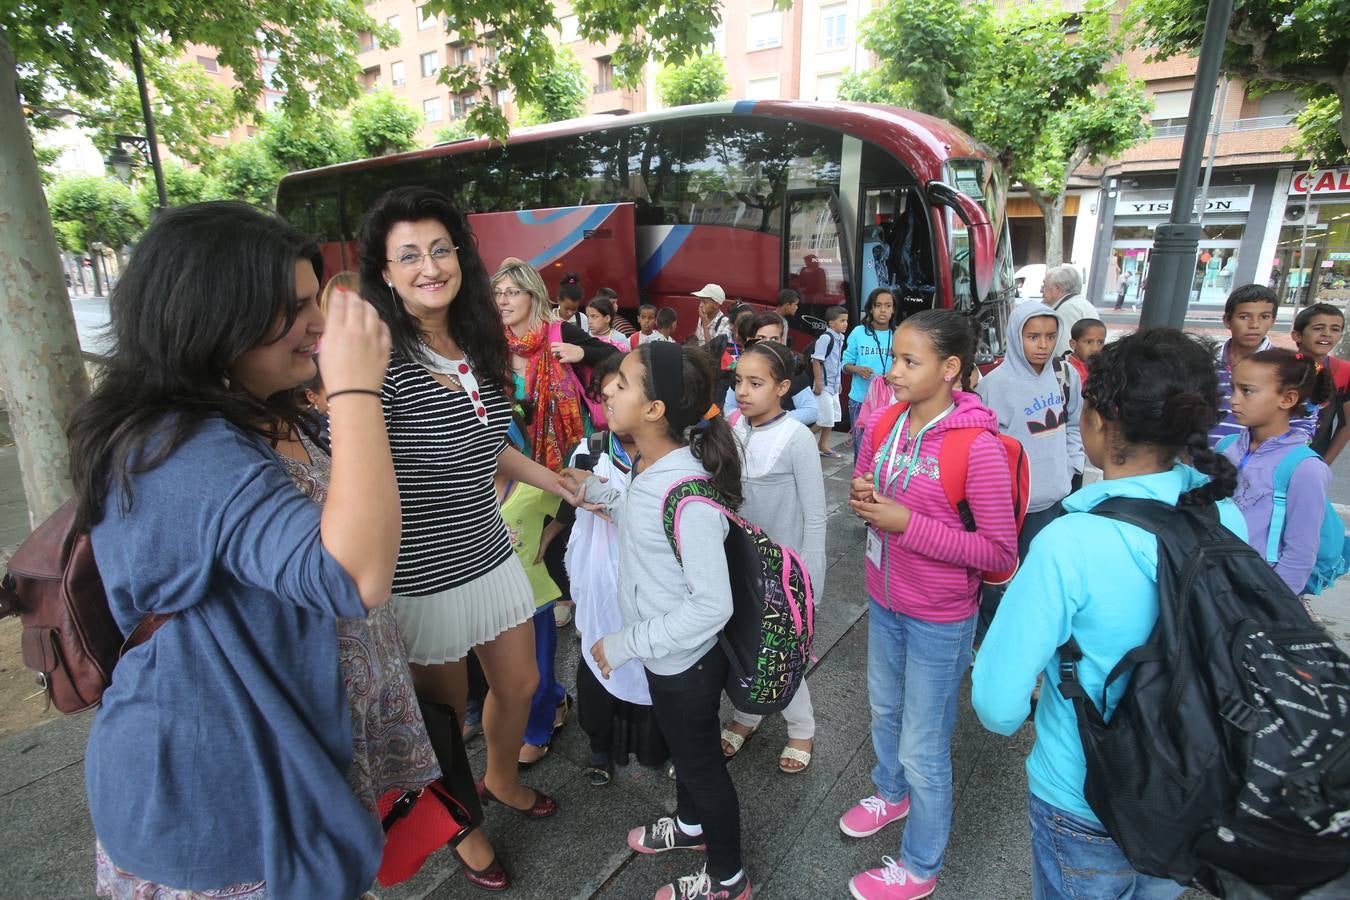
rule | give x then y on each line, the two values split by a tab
931	571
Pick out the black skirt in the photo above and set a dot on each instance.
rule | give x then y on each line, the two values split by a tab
616	727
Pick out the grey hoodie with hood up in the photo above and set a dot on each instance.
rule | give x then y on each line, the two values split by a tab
1031	407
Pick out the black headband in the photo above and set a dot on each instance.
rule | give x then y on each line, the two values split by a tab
667	373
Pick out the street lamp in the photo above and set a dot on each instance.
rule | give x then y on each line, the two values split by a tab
123	163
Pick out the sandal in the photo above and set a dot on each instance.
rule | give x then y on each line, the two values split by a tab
559	720
794	754
735	740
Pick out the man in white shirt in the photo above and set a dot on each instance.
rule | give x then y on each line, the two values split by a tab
712	322
1062	291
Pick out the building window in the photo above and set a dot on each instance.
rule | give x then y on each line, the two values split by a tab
567	26
269	76
762	88
397	75
503	96
367	42
719	40
208	63
1171	110
273	100
429	64
431	109
392	22
604	80
833	27
465	56
827	87
425	19
766	30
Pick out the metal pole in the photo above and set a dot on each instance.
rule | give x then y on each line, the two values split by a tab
1304	295
1213	149
1172	262
149	123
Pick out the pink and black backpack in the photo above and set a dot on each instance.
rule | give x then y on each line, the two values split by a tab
768	638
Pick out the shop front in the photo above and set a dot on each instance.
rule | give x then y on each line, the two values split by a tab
1224	236
1312	259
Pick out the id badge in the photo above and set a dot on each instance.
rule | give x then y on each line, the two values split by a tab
873	547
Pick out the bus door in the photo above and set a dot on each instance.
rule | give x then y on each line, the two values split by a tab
815	260
895	248
321	219
596	242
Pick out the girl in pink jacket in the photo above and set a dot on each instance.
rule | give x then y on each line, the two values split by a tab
923	579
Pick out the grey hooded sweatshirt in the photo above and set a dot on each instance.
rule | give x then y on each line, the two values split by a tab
1031	408
671	612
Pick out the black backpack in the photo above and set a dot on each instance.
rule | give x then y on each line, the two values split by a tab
768	637
1226	763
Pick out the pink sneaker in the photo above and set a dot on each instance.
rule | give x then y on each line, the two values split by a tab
890	882
871	815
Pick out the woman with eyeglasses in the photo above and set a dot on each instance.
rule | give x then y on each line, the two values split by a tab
447	405
554	423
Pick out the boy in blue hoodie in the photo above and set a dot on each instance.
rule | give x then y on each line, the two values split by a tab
1037	399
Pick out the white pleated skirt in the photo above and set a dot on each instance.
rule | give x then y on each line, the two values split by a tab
443	627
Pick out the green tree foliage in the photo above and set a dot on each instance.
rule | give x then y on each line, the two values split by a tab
181	186
562	95
188	105
306	141
1037	84
1285	42
520	40
244	171
702	79
382	123
1319	129
46	158
457	130
91	209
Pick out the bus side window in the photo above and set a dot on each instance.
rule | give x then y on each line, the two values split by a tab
897	248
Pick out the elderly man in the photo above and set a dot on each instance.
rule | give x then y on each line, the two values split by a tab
1062	292
712	322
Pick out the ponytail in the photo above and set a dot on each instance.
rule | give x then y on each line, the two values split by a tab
714	445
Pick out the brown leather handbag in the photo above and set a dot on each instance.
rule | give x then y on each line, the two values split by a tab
70	638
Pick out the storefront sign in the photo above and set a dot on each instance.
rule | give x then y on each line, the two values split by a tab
1159	203
1321	181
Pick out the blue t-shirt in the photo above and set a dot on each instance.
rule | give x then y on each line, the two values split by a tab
220	753
1107	598
867	349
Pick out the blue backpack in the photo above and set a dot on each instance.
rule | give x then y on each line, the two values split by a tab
1333	545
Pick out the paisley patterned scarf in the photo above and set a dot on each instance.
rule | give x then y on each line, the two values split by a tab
556	426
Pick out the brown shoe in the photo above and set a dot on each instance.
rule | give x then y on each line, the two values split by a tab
543	805
491	877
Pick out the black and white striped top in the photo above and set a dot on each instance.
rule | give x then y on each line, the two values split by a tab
444	459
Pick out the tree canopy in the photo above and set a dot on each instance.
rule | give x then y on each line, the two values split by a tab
520	39
1299	43
382	123
1039	85
563	92
702	79
90	209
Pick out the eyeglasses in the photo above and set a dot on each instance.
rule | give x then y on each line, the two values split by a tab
513	293
412	259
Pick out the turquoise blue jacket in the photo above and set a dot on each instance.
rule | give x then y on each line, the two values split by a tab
1096	579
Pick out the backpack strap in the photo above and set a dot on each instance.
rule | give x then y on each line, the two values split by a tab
953	467
1284	473
734	416
1225	442
1062	378
695	489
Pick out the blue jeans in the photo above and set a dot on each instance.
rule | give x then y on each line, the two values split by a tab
855	427
544	706
1074	857
914	671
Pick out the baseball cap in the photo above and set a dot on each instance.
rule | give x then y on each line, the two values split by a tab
712	292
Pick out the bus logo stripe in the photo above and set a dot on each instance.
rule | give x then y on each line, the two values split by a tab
596	215
664	253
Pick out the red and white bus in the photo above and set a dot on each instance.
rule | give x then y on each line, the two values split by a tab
830	199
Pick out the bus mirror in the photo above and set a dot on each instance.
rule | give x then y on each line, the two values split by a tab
978	227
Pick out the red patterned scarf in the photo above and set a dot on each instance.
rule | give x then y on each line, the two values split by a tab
556	426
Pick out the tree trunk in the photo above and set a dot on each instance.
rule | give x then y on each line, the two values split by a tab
40	366
1052	214
98	279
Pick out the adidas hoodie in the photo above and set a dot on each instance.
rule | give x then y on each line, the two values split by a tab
1031	408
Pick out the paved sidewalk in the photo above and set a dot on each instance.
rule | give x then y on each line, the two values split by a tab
793	846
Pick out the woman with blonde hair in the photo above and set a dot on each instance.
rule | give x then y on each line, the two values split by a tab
554	423
346	280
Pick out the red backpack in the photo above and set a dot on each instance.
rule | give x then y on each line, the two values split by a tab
954	463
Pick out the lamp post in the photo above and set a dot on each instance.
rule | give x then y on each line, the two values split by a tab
118	159
1175	242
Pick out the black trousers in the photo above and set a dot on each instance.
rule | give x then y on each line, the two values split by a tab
687	708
